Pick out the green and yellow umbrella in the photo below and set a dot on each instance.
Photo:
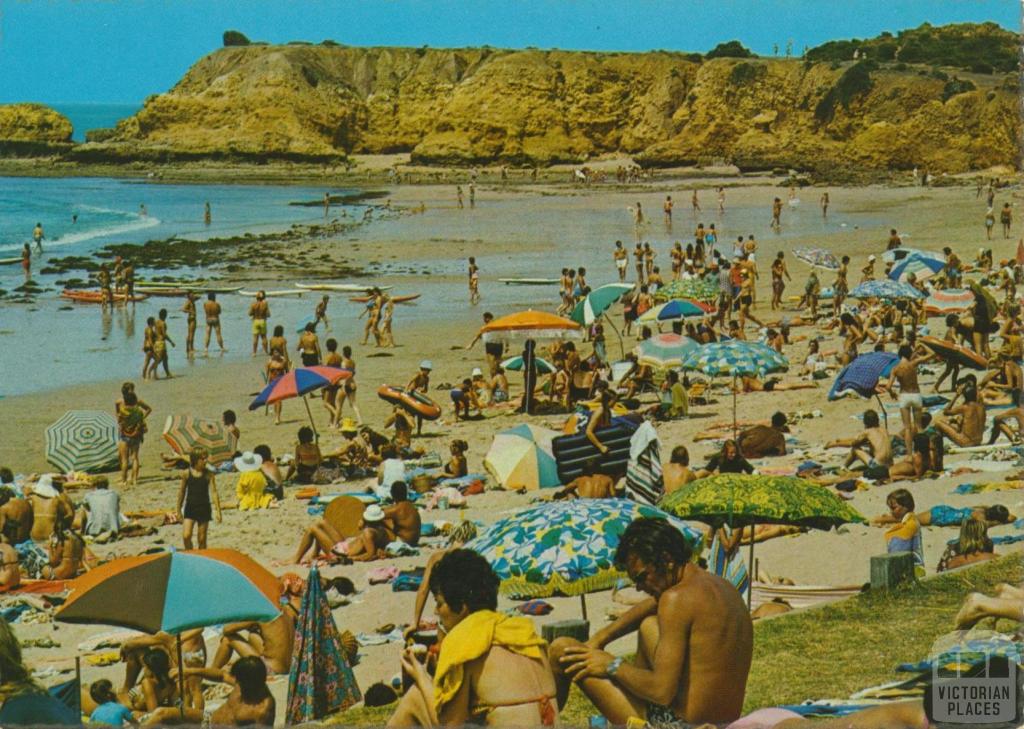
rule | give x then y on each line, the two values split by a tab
740	500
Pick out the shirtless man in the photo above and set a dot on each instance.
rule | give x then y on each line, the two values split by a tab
911	403
694	646
695	202
250	702
189	308
970	428
259	312
1014	378
621	257
212	310
10	575
589	485
676	473
129	281
638	262
872	447
777	214
272	642
161	334
403	519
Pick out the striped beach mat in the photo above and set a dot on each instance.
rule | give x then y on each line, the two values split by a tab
728	567
644	481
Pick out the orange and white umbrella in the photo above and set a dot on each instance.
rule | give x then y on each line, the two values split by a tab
183	433
531	325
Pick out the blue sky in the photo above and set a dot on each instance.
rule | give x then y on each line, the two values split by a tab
124	50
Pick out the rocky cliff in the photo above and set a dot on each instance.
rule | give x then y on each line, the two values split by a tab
31	129
532	106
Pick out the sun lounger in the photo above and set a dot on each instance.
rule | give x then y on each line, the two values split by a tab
801	596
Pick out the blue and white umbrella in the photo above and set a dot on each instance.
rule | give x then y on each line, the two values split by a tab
597	302
736	358
862	375
886	289
918	265
818	258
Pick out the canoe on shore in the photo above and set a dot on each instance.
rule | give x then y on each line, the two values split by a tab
96	297
272	294
530	281
9	261
151	287
397	299
344	288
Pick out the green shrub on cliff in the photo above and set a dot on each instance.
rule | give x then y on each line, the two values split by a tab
855	81
235	38
729	49
963	45
956	86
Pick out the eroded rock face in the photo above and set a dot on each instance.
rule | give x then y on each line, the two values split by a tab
482	105
33	123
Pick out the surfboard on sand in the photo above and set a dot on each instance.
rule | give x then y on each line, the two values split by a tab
270	294
530	281
346	288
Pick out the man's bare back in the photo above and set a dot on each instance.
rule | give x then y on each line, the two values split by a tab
235	712
905	373
405	522
46	512
597	486
881	445
16	520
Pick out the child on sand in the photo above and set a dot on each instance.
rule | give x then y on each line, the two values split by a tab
194	507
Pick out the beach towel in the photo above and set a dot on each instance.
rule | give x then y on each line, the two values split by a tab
644	482
407	581
967	651
729	567
398	548
32	557
381	575
472	638
38	587
535	607
906	537
978	488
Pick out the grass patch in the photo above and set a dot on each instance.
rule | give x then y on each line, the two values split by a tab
829	652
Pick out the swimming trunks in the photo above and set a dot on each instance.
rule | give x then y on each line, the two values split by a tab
911	400
876	471
659	716
259	326
310	359
947	516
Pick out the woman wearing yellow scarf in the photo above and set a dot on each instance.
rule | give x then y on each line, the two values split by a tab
492	669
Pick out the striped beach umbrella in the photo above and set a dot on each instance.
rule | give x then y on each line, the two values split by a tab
521	457
676	309
918	265
598	301
183	433
663	351
298	382
885	289
515	364
902	253
818	258
948	301
83	440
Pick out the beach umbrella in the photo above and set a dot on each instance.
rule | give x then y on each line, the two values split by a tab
736	358
885	289
663	351
954	352
530	324
521	457
564	547
918	265
818	258
320	681
699	289
184	433
740	499
941	302
82	440
676	309
862	376
298	382
983	297
594	304
173	592
899	254
515	364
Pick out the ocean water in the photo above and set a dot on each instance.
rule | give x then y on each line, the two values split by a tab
516	236
84	117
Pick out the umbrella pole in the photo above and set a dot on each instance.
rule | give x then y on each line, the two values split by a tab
885	415
181	680
750	590
583	604
735	427
305	401
78	681
622	347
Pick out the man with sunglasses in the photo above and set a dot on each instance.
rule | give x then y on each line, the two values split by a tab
694	640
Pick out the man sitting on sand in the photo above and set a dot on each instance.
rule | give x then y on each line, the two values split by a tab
963	424
760	440
16	517
250	702
589	484
872	447
368	545
271	642
694	640
403	519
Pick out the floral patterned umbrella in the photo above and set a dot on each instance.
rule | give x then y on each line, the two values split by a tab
320	681
818	258
885	289
700	289
564	547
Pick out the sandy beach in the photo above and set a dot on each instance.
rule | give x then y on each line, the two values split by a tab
514	231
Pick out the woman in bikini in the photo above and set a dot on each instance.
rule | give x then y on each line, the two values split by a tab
492	669
307	458
348	387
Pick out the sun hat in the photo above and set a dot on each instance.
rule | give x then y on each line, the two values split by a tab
373	513
477	372
426	365
44	487
871	257
248	461
348	425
